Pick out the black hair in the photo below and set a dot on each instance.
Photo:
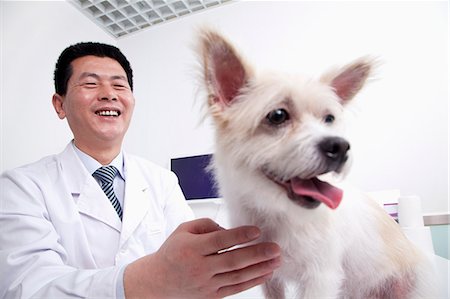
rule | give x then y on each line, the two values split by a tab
63	69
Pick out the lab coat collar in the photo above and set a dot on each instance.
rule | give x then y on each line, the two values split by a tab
136	204
86	192
92	165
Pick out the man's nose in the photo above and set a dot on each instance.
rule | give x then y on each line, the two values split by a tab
107	92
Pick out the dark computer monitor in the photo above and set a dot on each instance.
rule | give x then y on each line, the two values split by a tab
195	180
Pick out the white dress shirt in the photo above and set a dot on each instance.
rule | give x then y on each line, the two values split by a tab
92	165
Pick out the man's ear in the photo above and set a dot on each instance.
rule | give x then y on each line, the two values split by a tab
225	73
348	80
57	102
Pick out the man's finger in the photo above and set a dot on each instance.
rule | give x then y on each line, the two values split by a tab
244	257
246	274
201	226
219	240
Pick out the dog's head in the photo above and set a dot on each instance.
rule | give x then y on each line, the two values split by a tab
277	130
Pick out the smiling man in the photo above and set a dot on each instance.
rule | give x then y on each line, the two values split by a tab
98	105
97	222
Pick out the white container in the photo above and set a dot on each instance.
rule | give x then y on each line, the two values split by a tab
410	219
410	211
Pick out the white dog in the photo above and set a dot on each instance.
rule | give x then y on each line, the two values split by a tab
275	136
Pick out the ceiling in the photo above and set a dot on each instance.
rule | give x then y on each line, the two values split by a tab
122	17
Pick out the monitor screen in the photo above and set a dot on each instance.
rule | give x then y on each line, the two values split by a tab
195	180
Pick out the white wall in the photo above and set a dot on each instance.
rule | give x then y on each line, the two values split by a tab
33	34
400	128
400	131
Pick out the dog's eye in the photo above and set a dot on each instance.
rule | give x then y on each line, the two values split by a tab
329	118
278	116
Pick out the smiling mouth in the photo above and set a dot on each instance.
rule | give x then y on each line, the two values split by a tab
309	193
113	113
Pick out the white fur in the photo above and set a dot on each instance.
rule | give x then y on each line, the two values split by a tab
354	251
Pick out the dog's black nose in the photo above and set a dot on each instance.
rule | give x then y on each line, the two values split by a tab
334	149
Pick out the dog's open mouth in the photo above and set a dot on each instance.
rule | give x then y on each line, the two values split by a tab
310	193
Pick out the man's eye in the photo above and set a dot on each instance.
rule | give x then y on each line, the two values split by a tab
90	84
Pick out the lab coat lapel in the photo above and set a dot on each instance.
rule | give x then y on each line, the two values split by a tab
136	204
88	195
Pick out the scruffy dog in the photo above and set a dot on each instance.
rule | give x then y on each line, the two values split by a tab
276	137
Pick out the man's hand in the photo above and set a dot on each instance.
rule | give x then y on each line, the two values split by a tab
194	263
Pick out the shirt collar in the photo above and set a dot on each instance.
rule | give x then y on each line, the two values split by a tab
92	165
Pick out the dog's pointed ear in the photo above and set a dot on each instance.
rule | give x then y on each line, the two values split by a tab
223	69
348	80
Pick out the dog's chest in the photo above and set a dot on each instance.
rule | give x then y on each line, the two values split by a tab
303	246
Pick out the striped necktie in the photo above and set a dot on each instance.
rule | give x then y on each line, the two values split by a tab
106	176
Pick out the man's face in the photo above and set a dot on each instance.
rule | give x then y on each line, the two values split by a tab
98	104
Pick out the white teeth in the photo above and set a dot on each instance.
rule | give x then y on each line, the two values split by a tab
108	113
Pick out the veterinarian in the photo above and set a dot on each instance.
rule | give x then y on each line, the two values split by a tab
96	222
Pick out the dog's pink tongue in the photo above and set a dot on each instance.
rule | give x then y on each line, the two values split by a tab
318	190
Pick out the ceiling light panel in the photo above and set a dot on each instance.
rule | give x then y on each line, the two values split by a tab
120	17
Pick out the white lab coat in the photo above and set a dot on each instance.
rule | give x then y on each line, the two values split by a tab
60	235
